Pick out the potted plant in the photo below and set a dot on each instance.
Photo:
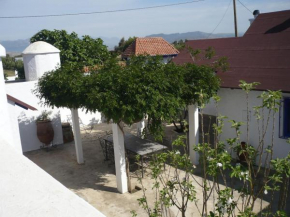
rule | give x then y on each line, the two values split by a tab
45	131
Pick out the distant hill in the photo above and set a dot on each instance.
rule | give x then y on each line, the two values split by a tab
16	46
190	36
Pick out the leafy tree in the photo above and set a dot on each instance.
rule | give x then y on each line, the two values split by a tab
20	69
8	62
179	44
145	86
124	44
86	51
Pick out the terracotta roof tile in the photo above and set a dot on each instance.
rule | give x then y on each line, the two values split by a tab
150	46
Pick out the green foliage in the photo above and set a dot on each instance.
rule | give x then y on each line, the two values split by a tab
127	93
20	69
170	186
5	76
85	51
217	166
63	87
200	84
9	63
282	166
124	44
271	99
247	87
247	213
209	54
44	116
179	45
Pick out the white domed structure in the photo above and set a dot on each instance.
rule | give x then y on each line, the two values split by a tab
38	58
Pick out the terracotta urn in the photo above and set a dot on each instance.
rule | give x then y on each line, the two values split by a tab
45	131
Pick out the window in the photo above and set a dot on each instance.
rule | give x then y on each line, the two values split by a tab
284	129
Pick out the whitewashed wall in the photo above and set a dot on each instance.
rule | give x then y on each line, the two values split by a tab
14	125
26	118
7	122
35	65
87	119
233	105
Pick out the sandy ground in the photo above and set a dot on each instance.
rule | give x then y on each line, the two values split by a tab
95	181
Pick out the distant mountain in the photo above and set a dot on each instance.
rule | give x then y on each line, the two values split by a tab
16	46
190	36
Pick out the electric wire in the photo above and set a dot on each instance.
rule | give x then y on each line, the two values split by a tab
221	19
98	12
245	6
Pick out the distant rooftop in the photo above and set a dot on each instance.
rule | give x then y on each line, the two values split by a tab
150	46
261	55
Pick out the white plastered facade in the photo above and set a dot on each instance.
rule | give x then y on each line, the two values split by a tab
233	105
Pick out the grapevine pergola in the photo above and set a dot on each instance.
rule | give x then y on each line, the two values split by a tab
144	87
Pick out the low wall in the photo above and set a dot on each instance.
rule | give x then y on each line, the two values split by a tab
27	190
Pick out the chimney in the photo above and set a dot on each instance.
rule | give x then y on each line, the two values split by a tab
255	13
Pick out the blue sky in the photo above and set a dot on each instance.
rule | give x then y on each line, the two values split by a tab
200	16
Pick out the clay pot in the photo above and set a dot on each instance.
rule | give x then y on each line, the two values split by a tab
45	132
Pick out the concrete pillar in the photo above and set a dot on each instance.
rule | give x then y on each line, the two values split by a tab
140	127
193	132
77	136
120	159
6	132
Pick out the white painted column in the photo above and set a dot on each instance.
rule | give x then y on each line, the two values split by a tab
6	132
120	159
193	132
77	136
140	127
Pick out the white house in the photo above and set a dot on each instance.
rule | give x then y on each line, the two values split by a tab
261	55
39	58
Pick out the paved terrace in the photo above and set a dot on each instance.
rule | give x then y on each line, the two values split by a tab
95	181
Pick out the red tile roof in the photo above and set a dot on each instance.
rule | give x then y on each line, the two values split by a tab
262	54
20	103
150	46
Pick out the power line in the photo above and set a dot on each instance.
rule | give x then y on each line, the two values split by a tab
221	19
99	12
245	6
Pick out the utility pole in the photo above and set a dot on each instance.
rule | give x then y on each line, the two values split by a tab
235	17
